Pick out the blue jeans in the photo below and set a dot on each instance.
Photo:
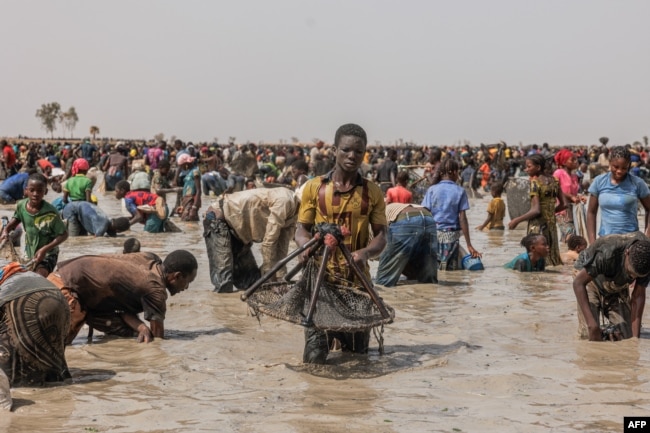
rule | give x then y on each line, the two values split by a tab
237	182
6	198
410	250
84	218
213	182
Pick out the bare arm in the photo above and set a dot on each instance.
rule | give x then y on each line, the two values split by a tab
592	212
196	204
637	306
564	202
144	333
464	227
646	206
197	188
580	289
374	248
137	217
177	175
40	254
302	236
486	222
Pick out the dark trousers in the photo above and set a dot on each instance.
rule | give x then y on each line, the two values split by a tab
317	344
231	263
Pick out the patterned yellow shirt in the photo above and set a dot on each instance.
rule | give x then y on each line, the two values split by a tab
356	209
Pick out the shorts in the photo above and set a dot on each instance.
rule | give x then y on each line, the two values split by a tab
49	262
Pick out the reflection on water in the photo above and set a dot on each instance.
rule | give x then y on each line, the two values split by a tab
492	350
397	358
91	375
174	334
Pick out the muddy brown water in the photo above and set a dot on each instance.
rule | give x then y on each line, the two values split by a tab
479	352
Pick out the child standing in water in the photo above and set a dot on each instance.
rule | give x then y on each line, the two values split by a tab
534	259
44	228
447	201
496	209
544	194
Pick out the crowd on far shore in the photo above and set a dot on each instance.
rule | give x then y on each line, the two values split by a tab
274	159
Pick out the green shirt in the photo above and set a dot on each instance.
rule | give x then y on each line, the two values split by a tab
40	229
77	186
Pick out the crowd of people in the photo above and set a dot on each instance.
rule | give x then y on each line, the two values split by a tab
406	206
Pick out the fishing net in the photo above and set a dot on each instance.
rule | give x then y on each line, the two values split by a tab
418	185
339	308
10	250
9	253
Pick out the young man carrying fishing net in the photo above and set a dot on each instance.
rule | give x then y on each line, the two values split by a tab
344	198
334	299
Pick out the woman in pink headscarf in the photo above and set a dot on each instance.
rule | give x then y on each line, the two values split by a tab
567	162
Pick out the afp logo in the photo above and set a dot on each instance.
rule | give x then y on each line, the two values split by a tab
638	424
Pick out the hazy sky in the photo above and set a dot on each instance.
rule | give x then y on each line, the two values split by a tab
565	71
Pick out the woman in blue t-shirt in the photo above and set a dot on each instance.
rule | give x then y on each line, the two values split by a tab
617	194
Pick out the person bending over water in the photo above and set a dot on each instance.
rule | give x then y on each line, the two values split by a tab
605	272
111	290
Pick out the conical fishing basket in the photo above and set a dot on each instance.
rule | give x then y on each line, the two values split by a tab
339	307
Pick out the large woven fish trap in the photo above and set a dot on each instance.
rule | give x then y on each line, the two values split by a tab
339	307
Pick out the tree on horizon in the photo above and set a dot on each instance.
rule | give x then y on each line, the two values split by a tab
68	120
49	114
94	130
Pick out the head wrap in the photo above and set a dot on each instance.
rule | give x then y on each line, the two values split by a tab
185	158
562	157
79	164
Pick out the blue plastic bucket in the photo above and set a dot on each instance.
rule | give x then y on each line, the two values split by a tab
472	264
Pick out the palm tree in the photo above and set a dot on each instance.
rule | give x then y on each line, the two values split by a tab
94	130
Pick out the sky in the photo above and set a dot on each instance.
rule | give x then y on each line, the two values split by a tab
431	72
